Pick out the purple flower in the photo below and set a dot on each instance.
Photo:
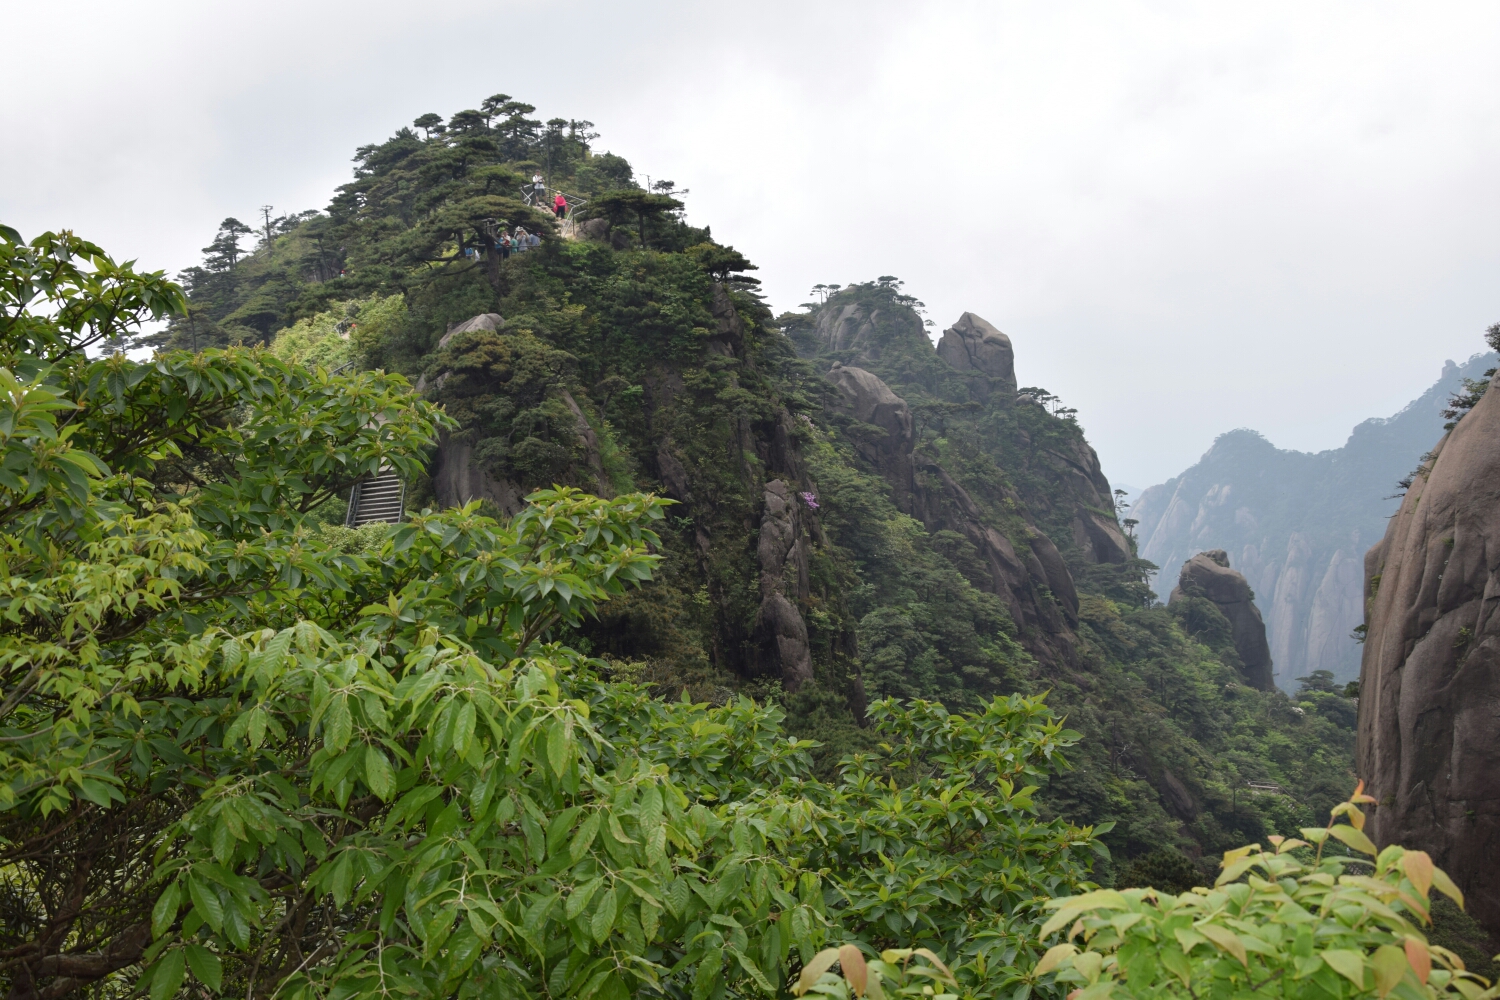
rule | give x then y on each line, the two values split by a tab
810	500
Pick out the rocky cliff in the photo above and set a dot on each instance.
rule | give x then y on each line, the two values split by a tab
1297	524
1429	711
1208	576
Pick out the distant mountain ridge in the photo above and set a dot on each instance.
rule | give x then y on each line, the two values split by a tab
1297	524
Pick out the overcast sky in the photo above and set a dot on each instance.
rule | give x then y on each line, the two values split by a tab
1189	217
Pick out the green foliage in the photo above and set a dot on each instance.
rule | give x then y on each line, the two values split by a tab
340	335
1462	402
893	974
283	758
1287	920
629	364
1166	869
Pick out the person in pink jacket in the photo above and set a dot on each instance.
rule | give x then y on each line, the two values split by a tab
560	206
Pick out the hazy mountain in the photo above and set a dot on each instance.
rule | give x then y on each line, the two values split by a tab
1297	524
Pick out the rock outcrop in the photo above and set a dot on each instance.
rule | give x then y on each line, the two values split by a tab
457	478
1297	524
493	322
1429	709
1019	573
974	345
1208	575
1078	492
781	551
850	328
888	446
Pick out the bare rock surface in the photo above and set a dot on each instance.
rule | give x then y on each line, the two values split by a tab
492	322
1208	574
973	344
457	479
1019	572
1429	708
849	329
782	553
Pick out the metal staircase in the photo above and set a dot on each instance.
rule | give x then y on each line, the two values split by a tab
380	498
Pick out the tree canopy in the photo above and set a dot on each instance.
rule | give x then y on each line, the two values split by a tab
236	750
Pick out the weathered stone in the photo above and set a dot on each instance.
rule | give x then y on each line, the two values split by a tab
782	553
850	329
492	322
1176	797
870	401
1429	708
590	442
594	229
457	478
1098	537
1208	575
973	345
1016	577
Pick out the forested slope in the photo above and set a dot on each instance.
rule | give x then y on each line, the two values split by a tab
858	513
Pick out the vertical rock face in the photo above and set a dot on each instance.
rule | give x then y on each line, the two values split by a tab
459	476
1017	575
850	329
871	401
458	479
782	553
972	344
1208	575
1429	708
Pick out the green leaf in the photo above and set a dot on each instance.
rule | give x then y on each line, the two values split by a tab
463	729
166	980
378	774
1054	957
617	831
584	837
1354	838
1226	940
754	970
1445	885
580	897
206	966
603	920
1175	962
206	904
164	913
821	963
557	747
710	969
1347	963
1390	965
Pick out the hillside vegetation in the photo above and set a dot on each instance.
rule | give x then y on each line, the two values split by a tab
714	637
638	356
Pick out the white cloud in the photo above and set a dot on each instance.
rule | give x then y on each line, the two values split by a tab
1189	217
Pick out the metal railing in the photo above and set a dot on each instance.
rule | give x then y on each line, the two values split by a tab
379	498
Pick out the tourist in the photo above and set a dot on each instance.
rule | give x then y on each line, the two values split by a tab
560	206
